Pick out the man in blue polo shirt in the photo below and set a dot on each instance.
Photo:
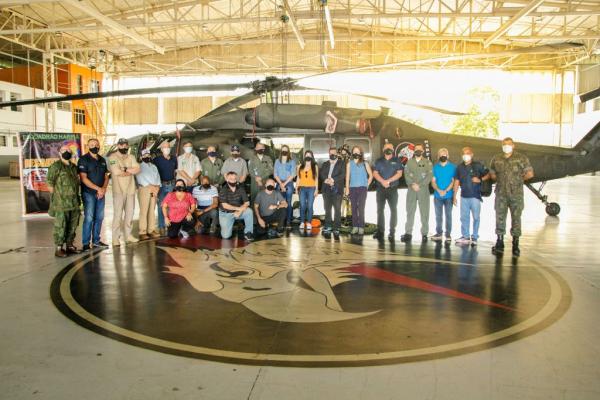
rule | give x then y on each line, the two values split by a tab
443	195
469	175
93	173
387	171
167	168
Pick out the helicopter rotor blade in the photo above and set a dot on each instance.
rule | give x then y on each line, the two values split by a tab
127	92
234	103
430	108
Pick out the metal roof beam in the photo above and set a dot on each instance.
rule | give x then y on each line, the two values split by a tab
532	5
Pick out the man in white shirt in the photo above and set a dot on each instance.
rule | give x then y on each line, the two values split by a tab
207	201
148	181
188	166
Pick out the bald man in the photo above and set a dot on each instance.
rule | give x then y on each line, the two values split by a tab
387	172
63	183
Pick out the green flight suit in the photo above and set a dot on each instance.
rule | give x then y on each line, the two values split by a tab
509	190
420	173
258	167
212	170
64	201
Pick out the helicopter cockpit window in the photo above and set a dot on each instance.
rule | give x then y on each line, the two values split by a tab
320	148
362	142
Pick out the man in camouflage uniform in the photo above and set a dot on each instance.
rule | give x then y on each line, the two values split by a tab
510	170
260	167
418	173
63	182
211	167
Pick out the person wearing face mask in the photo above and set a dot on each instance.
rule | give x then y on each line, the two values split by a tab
236	164
188	166
178	210
211	166
234	206
469	175
417	174
358	179
510	170
284	173
443	195
387	171
123	166
207	201
148	180
167	168
269	208
333	181
260	166
308	189
63	184
93	173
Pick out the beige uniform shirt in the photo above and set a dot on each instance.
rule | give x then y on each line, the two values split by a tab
116	164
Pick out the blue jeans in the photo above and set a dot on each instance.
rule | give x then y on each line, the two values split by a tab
289	192
470	206
93	214
443	206
307	198
162	193
227	219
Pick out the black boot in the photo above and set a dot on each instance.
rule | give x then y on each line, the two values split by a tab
378	235
499	247
515	247
406	238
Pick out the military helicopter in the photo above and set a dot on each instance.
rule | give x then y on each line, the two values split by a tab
326	125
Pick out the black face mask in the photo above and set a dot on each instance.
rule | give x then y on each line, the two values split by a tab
179	189
260	152
66	155
332	157
94	150
285	153
418	153
206	185
308	159
443	158
388	152
146	159
356	156
232	185
124	151
212	153
270	187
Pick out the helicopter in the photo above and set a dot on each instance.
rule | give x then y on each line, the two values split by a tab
320	127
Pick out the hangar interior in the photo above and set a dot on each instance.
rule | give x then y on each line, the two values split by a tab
398	321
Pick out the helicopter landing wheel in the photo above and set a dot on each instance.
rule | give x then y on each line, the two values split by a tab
552	209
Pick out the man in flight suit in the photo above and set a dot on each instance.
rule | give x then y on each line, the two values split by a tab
418	174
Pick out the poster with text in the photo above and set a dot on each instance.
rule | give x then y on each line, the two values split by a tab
38	151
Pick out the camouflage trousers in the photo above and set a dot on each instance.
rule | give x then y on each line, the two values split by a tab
515	205
65	225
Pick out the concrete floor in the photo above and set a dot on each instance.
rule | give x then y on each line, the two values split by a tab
45	355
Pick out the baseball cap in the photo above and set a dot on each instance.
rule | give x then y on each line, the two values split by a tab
145	152
123	141
235	147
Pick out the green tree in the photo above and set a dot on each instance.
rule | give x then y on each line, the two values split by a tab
482	116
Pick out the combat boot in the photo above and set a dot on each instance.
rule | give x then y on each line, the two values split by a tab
499	247
515	247
60	252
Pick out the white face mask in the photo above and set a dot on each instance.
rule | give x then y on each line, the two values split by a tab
467	158
166	151
507	149
188	149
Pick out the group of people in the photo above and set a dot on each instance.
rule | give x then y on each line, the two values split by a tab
208	196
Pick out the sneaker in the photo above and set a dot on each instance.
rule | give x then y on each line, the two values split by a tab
132	239
361	231
116	243
86	247
248	236
154	235
378	235
473	242
184	234
301	226
336	235
308	226
273	234
100	244
60	252
143	236
437	237
463	240
448	239
424	238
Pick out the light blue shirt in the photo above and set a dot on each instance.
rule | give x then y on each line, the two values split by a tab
148	175
204	197
358	175
285	170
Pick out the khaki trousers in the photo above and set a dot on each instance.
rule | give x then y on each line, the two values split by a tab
122	204
147	205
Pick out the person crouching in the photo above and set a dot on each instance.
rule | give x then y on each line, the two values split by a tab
178	209
270	207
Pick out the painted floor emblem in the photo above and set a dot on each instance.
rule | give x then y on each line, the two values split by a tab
308	302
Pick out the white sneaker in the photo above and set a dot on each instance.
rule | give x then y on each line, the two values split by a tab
463	240
132	239
301	226
184	234
308	226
